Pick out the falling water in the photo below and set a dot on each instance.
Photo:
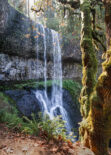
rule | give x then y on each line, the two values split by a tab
42	95
57	93
45	57
53	106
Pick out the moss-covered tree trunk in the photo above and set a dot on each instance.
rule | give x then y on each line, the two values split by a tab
95	128
89	67
88	57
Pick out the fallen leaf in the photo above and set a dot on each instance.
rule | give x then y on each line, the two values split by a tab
54	149
25	149
9	150
27	35
36	37
2	146
36	145
71	151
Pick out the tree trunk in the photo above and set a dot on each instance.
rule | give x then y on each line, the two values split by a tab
107	4
89	67
95	128
89	60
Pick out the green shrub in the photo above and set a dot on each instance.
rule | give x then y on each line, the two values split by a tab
32	126
11	118
52	128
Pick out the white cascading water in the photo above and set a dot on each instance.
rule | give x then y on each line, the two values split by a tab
53	106
42	95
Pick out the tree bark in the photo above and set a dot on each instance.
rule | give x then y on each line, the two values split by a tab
89	68
95	128
107	4
89	60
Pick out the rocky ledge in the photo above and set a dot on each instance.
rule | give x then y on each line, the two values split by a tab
21	39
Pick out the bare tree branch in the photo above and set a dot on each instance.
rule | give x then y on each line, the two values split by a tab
98	38
75	4
37	11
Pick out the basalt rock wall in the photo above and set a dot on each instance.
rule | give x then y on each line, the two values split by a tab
20	41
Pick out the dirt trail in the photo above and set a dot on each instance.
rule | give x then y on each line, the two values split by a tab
18	144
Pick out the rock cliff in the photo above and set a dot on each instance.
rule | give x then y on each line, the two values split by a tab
21	39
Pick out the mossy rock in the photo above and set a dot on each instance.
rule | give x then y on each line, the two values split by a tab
6	103
72	86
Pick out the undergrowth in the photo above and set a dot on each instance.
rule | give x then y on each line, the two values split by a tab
50	128
42	126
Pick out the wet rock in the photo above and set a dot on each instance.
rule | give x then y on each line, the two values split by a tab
72	110
27	104
26	101
20	36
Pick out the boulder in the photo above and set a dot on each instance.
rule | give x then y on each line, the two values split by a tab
26	102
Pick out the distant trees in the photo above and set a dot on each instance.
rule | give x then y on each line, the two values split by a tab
59	17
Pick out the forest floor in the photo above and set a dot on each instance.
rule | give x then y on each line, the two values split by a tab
12	143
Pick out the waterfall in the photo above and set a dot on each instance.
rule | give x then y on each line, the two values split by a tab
45	58
57	94
53	106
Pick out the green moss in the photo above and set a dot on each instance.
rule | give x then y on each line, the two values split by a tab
94	97
107	64
85	4
12	5
21	84
33	84
6	99
6	105
73	87
89	60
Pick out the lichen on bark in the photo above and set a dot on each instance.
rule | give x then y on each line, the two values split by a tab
100	110
95	128
89	60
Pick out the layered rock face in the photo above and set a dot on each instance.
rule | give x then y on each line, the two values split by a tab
18	68
20	41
